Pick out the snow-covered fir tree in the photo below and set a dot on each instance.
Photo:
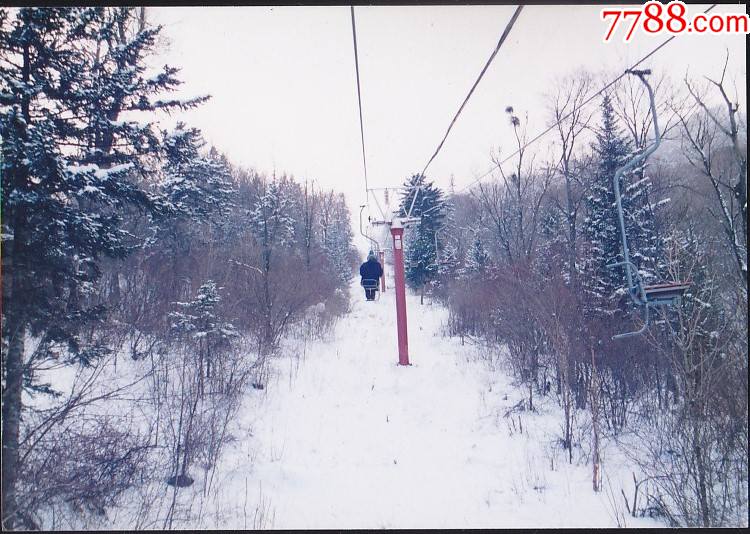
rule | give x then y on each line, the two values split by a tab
271	221
477	258
336	235
420	257
198	195
449	260
197	322
419	242
447	249
197	186
644	242
553	245
600	227
71	167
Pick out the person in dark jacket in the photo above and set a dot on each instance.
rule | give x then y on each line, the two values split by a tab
369	271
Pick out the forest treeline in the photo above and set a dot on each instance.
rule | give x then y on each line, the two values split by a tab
521	260
142	265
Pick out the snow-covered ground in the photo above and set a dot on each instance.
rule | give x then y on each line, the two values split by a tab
346	438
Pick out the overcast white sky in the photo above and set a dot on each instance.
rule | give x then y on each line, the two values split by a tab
284	91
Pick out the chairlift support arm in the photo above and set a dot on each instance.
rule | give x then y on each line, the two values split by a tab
636	292
376	245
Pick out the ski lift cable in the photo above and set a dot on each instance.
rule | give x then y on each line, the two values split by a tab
374	243
359	100
585	102
504	35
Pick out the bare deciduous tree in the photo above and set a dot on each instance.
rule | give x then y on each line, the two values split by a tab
514	203
702	148
572	120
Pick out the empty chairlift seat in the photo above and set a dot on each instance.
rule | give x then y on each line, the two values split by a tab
669	294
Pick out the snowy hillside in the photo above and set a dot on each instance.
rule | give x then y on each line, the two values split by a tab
348	439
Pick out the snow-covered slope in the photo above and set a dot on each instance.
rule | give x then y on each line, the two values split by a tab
352	440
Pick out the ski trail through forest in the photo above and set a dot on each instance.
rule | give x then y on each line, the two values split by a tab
352	440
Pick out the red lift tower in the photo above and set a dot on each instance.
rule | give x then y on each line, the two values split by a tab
397	224
397	231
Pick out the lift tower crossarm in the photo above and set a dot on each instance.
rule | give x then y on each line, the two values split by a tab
373	242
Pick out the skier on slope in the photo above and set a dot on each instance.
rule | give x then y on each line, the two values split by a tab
370	271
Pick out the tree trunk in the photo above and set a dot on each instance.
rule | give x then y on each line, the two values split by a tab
658	382
15	330
12	406
701	468
531	396
208	361
12	397
200	368
571	218
596	459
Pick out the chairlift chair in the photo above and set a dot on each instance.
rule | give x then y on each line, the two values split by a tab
663	294
667	293
370	283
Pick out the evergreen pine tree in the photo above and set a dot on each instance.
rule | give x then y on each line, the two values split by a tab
271	221
197	322
477	258
69	171
448	255
419	243
196	186
448	261
643	240
336	238
600	227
